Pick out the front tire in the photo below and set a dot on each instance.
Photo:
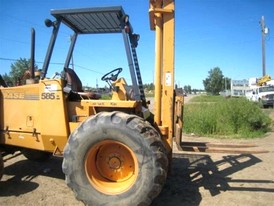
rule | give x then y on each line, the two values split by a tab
115	159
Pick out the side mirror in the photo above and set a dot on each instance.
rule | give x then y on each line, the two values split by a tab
48	23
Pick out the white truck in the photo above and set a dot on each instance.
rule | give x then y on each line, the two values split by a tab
262	94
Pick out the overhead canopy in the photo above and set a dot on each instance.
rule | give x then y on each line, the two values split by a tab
92	20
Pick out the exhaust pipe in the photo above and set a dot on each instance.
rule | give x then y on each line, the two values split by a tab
32	54
32	51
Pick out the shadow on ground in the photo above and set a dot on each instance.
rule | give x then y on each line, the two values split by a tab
189	173
192	171
24	171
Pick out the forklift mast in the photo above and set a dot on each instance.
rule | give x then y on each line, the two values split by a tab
161	14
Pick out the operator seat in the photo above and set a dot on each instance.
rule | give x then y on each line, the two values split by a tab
74	87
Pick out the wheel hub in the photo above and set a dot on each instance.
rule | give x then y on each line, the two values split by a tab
111	167
115	163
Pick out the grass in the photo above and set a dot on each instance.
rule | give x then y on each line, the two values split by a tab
106	97
207	98
219	117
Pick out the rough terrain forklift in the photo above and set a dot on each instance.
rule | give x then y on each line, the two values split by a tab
115	152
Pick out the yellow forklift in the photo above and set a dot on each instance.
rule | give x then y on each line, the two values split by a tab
115	152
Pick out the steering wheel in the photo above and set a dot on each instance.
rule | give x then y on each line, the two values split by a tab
112	75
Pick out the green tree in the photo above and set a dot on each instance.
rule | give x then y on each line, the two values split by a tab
149	86
8	79
227	83
18	71
187	89
214	83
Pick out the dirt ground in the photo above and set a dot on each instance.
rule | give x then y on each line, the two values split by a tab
195	179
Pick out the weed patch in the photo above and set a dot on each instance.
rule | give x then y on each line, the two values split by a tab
233	117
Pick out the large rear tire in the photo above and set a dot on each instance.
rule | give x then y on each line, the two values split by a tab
115	159
1	166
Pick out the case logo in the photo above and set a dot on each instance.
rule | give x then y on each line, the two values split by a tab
14	95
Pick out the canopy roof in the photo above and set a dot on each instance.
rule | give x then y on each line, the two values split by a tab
92	20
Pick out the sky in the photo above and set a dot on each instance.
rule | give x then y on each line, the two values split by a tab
208	33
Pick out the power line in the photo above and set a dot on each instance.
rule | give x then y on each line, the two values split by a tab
54	63
14	60
23	22
81	67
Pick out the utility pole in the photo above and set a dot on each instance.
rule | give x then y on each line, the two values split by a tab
264	30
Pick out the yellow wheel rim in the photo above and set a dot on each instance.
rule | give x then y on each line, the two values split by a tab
111	167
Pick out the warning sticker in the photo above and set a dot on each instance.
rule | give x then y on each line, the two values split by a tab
51	88
168	79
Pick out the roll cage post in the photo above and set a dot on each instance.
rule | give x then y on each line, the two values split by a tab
98	20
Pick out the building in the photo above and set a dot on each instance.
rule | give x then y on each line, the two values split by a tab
239	87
